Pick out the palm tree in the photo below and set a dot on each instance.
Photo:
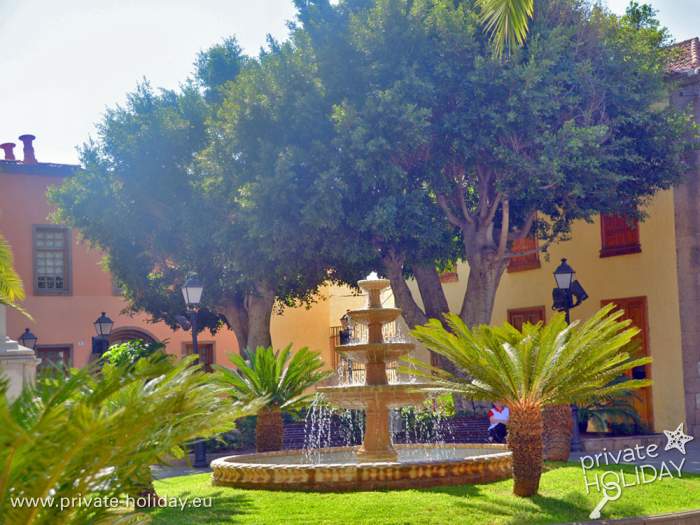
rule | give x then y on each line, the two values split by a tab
544	365
282	379
11	289
507	21
90	434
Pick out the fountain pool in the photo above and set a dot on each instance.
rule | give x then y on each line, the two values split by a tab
377	463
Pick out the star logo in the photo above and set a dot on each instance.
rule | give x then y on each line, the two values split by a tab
677	439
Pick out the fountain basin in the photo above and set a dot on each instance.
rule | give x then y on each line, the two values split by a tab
395	395
374	352
340	469
375	315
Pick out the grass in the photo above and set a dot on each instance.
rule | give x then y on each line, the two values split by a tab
562	498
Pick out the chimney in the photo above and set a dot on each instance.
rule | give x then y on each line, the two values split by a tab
29	157
7	147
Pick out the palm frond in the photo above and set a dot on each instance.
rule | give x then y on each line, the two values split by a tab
281	377
507	21
11	288
540	365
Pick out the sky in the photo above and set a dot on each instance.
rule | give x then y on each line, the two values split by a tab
64	62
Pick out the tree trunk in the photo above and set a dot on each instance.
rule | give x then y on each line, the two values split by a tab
260	305
484	276
558	428
411	312
237	317
525	441
431	291
269	430
147	496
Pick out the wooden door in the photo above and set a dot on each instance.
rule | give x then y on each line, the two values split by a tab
519	316
53	357
206	354
635	309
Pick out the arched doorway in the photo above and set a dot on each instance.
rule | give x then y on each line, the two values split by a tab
128	333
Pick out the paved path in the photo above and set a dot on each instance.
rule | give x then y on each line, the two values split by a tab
181	468
692	457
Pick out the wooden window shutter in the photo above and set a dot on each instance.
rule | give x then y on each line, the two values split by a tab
619	235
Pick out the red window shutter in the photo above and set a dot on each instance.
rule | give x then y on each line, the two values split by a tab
524	262
619	236
519	316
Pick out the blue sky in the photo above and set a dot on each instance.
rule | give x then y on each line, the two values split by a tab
64	62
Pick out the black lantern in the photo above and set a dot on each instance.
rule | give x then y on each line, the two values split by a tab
103	325
564	275
28	339
192	290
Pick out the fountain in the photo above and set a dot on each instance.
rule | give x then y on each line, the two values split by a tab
377	463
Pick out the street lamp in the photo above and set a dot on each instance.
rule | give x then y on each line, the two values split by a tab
192	293
28	339
103	325
103	329
567	295
568	289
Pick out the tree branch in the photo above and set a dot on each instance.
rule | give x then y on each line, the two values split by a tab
451	217
542	248
525	230
505	226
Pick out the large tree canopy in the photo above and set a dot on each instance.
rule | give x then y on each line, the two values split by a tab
206	178
569	126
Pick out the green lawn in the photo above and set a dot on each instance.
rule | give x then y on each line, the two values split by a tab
562	498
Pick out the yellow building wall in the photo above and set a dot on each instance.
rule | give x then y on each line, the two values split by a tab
303	326
651	273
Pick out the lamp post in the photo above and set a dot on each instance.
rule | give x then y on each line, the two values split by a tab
192	293
103	329
28	339
569	294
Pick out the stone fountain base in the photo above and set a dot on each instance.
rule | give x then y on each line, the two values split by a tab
426	465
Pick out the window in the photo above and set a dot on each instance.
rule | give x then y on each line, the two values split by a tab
619	235
53	357
519	316
524	262
206	354
51	260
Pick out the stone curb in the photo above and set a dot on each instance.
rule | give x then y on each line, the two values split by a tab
691	517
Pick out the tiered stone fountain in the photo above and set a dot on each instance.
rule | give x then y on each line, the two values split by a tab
377	463
376	397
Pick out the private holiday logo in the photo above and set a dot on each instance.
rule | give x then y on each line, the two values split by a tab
612	482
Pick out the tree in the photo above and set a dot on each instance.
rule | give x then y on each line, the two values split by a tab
11	288
541	366
172	185
282	383
569	127
90	435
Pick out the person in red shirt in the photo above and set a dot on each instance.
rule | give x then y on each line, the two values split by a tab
498	419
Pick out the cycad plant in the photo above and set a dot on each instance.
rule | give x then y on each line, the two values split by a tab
11	289
544	365
282	378
73	439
